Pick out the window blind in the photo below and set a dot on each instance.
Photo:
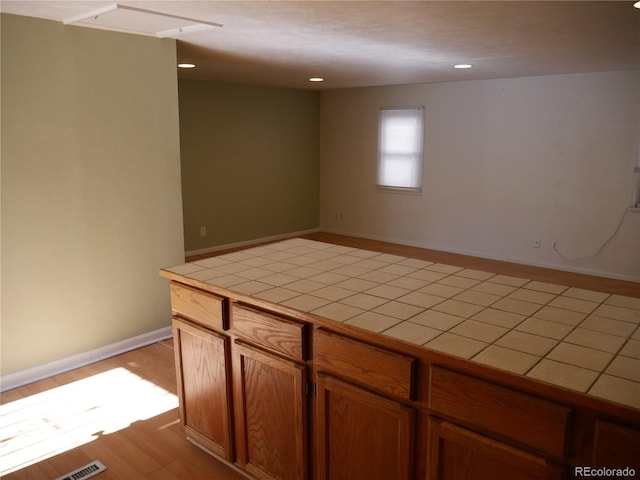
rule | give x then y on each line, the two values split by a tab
400	148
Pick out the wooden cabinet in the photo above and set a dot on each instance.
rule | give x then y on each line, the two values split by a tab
271	414
361	435
201	307
488	423
363	432
387	372
242	383
530	421
456	453
270	382
616	446
202	366
294	397
277	334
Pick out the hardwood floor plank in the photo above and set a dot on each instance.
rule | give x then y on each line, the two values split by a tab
34	472
159	442
152	448
197	465
162	474
53	467
123	450
119	463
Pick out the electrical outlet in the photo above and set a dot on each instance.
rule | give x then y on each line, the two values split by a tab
203	231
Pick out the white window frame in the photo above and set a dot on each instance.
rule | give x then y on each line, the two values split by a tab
407	153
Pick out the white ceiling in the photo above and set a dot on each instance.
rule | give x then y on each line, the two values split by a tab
363	43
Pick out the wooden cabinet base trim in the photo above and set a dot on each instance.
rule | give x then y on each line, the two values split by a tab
206	444
194	441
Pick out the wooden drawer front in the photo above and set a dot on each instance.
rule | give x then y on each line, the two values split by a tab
268	331
383	370
531	421
201	307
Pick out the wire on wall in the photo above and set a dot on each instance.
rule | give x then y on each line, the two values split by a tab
602	247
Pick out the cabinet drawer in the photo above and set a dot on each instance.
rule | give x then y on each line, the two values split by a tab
385	371
201	307
269	331
532	421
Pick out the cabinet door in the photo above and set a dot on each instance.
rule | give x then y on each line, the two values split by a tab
616	446
202	364
271	414
455	453
361	435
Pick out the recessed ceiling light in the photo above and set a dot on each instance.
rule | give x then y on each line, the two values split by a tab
637	4
463	65
316	79
186	65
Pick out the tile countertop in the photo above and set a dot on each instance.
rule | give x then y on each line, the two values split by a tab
583	340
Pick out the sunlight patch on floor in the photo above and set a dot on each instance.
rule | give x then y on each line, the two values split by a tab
46	424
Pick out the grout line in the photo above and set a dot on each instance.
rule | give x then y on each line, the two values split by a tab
615	355
315	257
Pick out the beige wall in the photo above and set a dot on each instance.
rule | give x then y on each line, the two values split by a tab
91	194
91	204
249	162
506	162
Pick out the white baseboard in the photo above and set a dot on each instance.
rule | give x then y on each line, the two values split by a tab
248	243
30	375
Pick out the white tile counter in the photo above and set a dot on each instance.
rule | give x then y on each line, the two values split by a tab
579	339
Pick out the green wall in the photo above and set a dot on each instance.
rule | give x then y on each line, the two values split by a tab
91	205
249	162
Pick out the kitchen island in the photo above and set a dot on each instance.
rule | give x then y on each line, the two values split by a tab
306	359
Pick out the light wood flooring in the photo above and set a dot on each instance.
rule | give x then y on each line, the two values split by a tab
152	448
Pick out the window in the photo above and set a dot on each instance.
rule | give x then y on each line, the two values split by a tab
400	148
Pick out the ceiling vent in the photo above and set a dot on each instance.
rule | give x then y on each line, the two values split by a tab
141	21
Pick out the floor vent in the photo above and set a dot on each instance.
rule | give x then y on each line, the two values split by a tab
87	471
